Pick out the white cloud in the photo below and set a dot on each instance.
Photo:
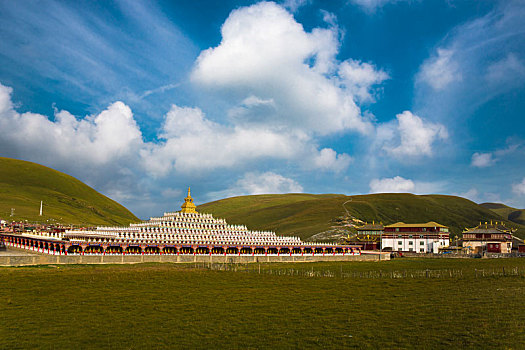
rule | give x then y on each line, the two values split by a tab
519	188
97	140
396	184
440	71
101	149
328	159
260	183
482	160
486	54
506	70
115	158
6	106
358	77
192	142
294	5
267	55
399	184
373	5
413	135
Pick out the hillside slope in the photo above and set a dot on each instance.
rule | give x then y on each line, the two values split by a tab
306	215
67	200
506	212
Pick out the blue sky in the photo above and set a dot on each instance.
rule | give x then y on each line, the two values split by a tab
142	99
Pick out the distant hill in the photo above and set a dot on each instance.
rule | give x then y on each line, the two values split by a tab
66	200
308	215
512	214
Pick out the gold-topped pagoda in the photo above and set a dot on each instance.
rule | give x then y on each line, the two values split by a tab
188	206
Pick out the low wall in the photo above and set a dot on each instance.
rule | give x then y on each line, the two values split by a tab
44	259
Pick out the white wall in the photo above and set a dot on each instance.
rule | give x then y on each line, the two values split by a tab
416	244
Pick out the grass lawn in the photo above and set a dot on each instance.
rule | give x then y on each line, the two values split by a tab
271	306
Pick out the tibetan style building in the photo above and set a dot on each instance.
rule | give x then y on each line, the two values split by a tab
417	238
488	237
368	236
182	232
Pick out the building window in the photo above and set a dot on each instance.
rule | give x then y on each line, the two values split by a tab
397	229
410	243
410	236
421	236
400	242
399	236
421	250
421	243
410	249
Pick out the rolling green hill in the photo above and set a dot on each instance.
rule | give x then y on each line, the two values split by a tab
306	215
506	212
66	200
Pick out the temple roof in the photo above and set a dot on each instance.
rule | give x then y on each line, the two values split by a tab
428	224
371	227
496	227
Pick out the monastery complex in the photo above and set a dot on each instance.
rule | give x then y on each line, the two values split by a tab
185	232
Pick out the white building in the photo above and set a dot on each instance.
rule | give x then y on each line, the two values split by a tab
417	238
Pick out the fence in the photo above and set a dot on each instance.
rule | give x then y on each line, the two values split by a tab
342	273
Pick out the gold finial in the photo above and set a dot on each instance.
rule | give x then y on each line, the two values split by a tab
188	206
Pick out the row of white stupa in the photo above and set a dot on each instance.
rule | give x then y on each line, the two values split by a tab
186	227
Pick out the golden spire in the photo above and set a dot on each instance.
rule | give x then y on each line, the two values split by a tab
188	206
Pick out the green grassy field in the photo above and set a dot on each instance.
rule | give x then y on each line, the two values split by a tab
306	214
458	303
66	200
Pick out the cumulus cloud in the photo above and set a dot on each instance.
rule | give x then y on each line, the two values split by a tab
98	139
399	184
482	160
328	159
266	55
440	70
519	188
100	149
358	77
410	135
260	183
192	142
188	142
396	184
